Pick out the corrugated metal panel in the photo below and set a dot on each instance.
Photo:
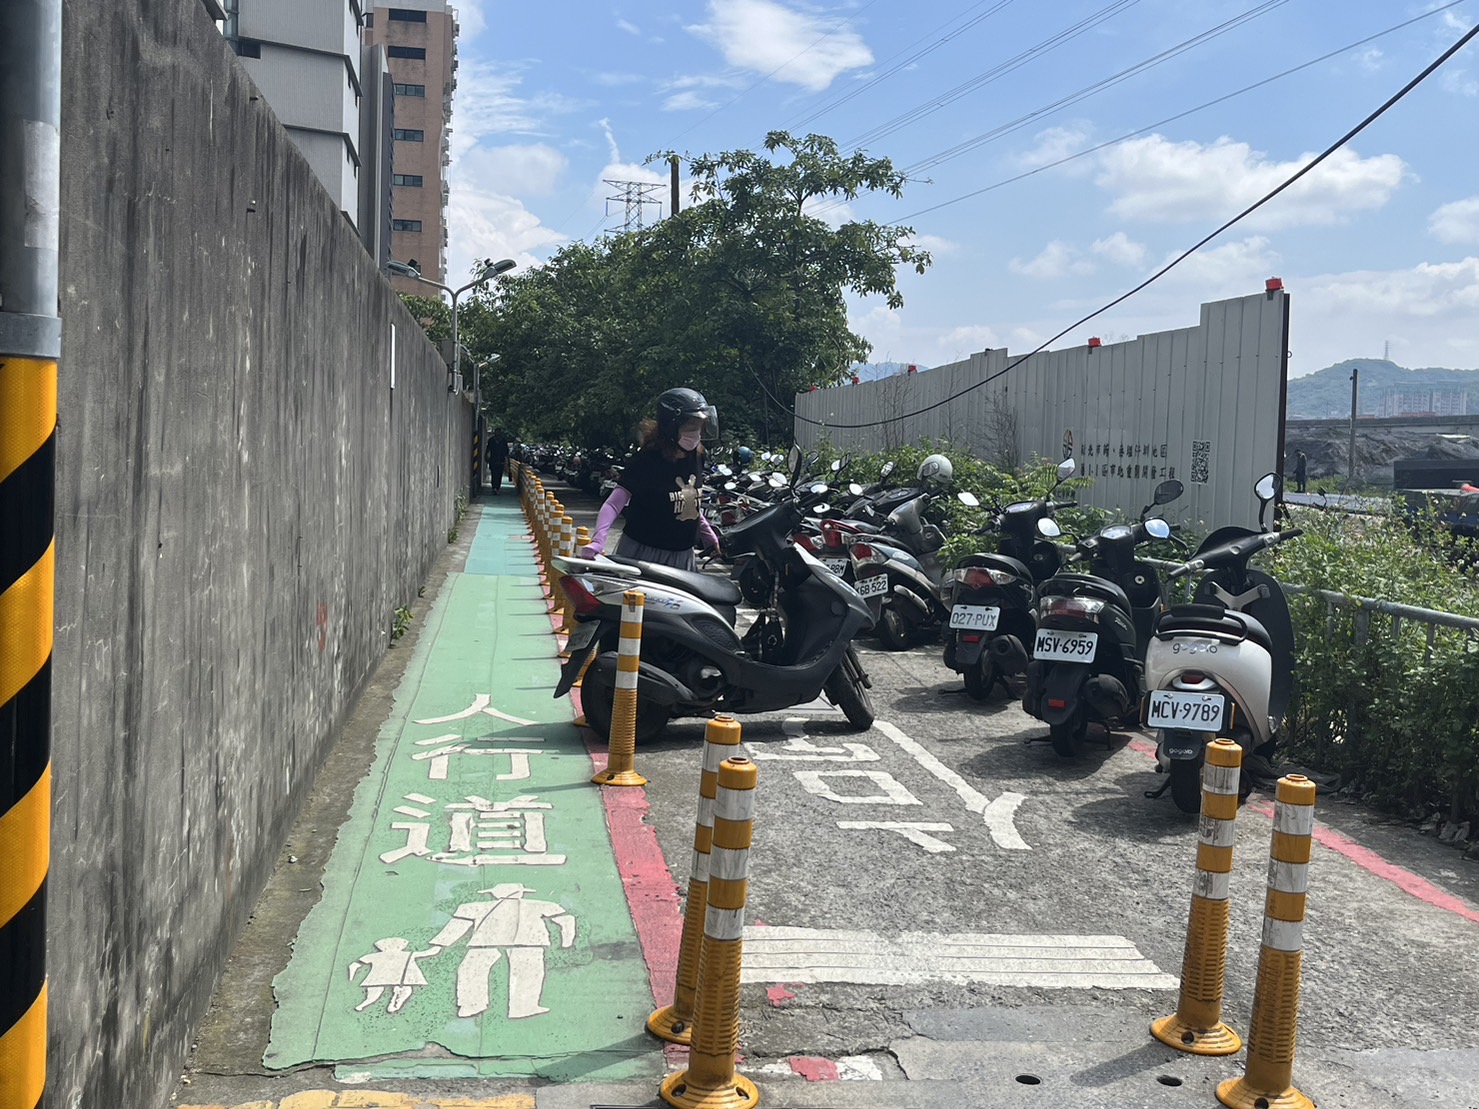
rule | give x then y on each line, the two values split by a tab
1200	404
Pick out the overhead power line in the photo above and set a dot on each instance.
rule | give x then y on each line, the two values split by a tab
1322	156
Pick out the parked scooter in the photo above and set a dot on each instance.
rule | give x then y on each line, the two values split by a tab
1223	665
1092	630
693	661
992	597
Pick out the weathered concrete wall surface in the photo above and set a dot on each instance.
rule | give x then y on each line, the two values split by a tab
243	501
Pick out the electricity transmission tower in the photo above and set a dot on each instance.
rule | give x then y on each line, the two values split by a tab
635	195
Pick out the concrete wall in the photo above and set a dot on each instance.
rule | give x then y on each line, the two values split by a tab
243	500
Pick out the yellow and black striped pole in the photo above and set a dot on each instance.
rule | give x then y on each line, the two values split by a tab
1269	1074
621	743
30	342
1196	1027
675	1022
711	1082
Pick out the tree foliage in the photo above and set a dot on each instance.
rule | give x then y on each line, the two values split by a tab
741	295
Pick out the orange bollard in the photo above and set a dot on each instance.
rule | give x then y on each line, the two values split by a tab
564	605
675	1022
1267	1078
710	1082
621	744
1197	1025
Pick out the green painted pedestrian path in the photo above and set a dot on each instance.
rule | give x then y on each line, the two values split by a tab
473	922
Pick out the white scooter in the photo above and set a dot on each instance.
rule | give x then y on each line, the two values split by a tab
1223	665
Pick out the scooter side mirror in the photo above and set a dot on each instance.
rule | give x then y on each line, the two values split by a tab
837	465
817	488
1066	469
778	481
1268	486
855	489
968	499
823	507
1157	528
731	486
888	468
793	462
725	471
1168	491
1048	528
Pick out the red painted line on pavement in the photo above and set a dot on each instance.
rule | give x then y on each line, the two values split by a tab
813	1068
1367	859
652	895
778	995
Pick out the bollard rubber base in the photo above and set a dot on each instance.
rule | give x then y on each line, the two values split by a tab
665	1024
1237	1094
619	778
1218	1040
739	1093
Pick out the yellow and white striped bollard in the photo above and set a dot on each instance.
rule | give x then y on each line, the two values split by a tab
710	1082
1197	1025
1269	1074
562	602
675	1022
582	539
621	744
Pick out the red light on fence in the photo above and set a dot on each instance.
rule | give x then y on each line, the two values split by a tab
1095	342
856	379
813	389
911	368
1273	284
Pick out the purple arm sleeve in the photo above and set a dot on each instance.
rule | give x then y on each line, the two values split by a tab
605	518
706	533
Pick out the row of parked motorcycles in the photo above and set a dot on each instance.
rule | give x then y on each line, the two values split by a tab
1080	628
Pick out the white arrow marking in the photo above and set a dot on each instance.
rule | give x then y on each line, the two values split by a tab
1052	962
997	814
914	833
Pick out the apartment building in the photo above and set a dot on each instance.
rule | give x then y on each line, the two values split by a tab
420	42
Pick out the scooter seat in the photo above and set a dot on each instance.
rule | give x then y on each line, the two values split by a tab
1085	585
706	587
1212	620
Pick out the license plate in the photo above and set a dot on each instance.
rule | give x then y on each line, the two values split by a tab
1065	646
838	566
975	617
876	586
582	635
1203	712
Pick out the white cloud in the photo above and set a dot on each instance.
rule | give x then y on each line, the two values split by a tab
629	28
935	244
488	224
1154	178
530	170
1461	82
1058	259
613	79
1054	144
797	47
470	20
1371	59
687	101
1228	270
485	104
1120	249
1457	222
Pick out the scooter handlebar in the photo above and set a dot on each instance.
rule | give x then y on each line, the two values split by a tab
1186	568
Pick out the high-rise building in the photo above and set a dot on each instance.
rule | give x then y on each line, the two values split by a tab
420	41
328	91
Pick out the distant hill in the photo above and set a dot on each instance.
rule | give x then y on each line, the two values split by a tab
1386	389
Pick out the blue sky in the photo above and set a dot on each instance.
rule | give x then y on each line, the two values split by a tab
1379	244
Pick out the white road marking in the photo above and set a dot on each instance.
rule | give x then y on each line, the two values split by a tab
998	815
814	955
888	789
913	832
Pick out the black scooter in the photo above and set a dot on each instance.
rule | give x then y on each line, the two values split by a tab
693	662
992	597
1088	656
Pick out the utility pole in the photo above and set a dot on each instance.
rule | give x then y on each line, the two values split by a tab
1355	394
634	195
30	343
673	210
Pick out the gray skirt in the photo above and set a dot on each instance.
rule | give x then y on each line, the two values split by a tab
627	547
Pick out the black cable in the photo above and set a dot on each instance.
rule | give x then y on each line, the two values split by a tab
1326	153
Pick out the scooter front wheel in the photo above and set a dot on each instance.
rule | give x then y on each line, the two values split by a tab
893	630
848	690
1186	784
1068	737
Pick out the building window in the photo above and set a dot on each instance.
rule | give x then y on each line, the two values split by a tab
417	52
410	90
411	179
247	48
369	19
405	225
406	135
406	15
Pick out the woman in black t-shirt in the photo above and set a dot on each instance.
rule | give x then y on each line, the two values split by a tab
661	488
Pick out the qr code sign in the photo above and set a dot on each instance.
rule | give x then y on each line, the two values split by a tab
1201	458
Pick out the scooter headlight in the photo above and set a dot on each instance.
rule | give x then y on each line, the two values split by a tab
1084	608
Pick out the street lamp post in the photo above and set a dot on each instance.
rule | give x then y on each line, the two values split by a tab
490	270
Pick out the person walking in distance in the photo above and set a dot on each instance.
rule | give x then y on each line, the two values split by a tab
506	926
497	458
660	490
1301	470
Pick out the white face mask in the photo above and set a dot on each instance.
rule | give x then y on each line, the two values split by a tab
688	440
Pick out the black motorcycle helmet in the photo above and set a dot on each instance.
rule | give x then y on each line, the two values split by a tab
677	406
